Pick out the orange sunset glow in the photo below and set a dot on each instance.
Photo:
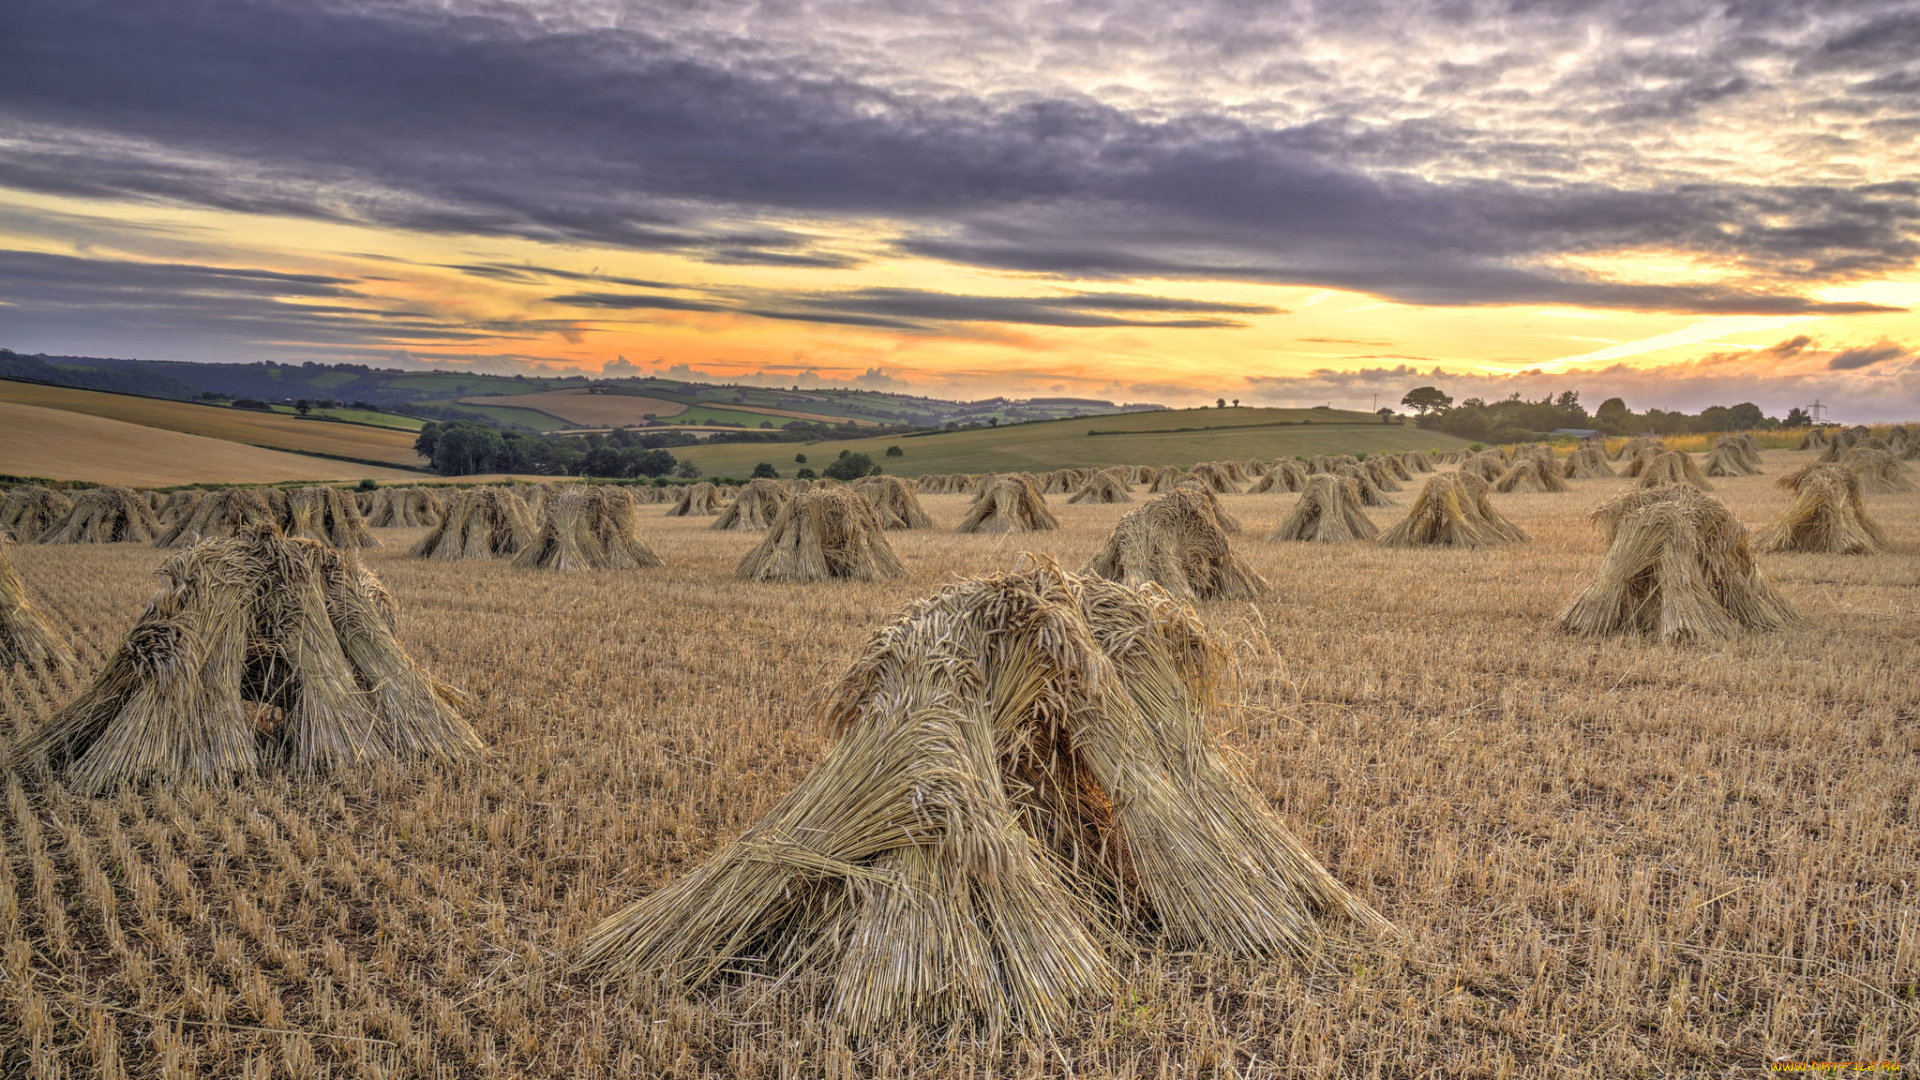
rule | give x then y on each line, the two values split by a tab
1308	210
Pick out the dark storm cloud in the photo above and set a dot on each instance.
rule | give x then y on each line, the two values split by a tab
653	130
237	305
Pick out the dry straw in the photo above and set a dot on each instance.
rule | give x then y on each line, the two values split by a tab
1285	474
1416	461
1012	505
226	512
259	651
754	509
826	534
1586	463
1814	439
1024	774
479	523
1394	466
1329	510
1827	515
1452	510
1677	568
1879	471
1667	467
402	508
1532	473
1063	481
25	637
1175	542
1163	479
108	515
30	510
1227	522
1253	468
1487	466
1215	475
1632	448
895	504
1729	458
1382	476
327	515
1105	486
1370	493
702	499
178	505
588	528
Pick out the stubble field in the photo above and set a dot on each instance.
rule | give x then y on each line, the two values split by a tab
1608	858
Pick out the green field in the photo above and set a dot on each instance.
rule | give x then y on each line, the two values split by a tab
515	414
354	416
1150	438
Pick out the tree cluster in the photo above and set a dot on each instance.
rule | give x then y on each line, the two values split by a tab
1516	419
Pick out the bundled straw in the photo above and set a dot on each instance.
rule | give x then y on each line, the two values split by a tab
1023	764
1667	467
1227	522
402	508
1814	439
1452	510
178	505
1533	472
1382	476
30	510
1394	466
825	534
1879	471
479	523
895	504
1677	567
1011	505
1416	461
754	509
1253	468
1215	476
1827	515
1586	463
327	515
1285	474
1370	493
108	515
226	512
1063	481
1487	465
1632	448
1729	458
1105	486
696	499
1174	542
1163	479
25	637
1328	511
261	650
588	528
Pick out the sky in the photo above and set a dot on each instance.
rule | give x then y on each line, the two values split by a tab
1287	203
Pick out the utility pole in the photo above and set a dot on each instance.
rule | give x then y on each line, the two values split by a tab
1816	409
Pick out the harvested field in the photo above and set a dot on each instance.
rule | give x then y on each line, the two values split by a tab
1610	857
62	445
276	431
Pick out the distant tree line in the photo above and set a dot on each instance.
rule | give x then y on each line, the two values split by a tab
1516	419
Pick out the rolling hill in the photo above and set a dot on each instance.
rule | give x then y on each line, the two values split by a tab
274	431
60	444
1171	437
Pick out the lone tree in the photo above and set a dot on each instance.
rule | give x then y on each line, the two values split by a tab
765	471
1426	399
801	458
1219	403
303	406
895	451
849	466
